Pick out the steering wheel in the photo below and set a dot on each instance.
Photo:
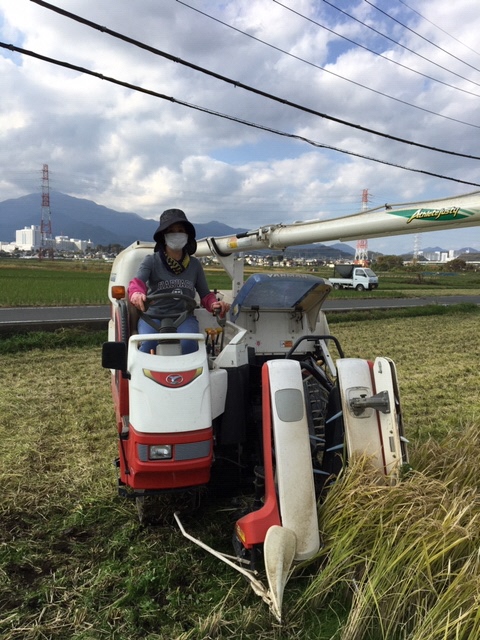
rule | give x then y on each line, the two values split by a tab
189	302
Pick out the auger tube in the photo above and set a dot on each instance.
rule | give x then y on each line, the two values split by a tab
389	220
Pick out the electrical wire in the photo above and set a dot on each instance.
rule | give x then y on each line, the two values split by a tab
238	84
439	28
399	64
316	66
426	40
218	114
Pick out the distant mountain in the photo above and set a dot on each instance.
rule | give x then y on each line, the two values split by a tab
344	248
85	220
319	251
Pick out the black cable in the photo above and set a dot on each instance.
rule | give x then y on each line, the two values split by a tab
241	85
133	87
426	40
316	66
357	44
439	28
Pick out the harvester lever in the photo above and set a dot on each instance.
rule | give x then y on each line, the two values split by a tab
379	402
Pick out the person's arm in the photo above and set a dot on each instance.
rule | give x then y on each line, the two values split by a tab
137	293
137	288
208	301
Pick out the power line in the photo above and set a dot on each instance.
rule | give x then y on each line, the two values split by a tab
133	87
439	28
316	66
426	40
237	83
357	44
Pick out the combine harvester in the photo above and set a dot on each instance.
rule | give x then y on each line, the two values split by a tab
269	401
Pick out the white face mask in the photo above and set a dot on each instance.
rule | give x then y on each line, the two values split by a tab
176	241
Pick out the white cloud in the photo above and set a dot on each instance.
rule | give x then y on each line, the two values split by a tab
135	152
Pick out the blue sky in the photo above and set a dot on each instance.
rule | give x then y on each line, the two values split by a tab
134	152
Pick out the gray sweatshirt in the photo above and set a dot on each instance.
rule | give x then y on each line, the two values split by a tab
158	279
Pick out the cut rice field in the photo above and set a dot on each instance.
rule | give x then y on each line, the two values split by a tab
396	563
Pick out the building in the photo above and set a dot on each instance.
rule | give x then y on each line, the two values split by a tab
28	238
64	243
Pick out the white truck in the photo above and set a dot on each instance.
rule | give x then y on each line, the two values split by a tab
351	276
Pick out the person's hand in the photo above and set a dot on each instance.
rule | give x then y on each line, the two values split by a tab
220	307
138	300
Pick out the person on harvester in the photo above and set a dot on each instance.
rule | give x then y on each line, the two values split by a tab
172	269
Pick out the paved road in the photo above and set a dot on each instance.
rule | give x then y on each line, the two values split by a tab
45	318
36	318
396	303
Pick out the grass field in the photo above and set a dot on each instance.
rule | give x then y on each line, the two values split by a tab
396	563
33	283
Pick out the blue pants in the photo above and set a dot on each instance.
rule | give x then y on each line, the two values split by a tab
190	325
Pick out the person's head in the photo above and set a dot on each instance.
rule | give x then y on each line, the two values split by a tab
174	221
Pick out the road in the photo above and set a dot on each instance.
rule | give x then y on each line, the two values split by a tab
49	318
44	318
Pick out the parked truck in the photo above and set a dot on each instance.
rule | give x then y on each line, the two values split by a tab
352	276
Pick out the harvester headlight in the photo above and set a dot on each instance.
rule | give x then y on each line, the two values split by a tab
160	452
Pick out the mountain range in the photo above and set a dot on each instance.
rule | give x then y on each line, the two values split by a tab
85	220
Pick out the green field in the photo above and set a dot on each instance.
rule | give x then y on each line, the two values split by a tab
51	284
33	283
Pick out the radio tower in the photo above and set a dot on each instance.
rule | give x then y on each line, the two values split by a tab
46	248
361	252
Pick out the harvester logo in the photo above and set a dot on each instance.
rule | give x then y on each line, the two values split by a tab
422	214
446	213
173	379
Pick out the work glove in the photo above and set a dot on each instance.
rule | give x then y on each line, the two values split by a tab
138	300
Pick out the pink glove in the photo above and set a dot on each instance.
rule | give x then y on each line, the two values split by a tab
137	291
211	304
220	306
138	300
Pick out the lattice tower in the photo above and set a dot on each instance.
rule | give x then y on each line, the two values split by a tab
46	248
361	251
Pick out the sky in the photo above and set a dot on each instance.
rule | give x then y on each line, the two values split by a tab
282	140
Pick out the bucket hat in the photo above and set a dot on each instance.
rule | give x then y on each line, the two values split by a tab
173	216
